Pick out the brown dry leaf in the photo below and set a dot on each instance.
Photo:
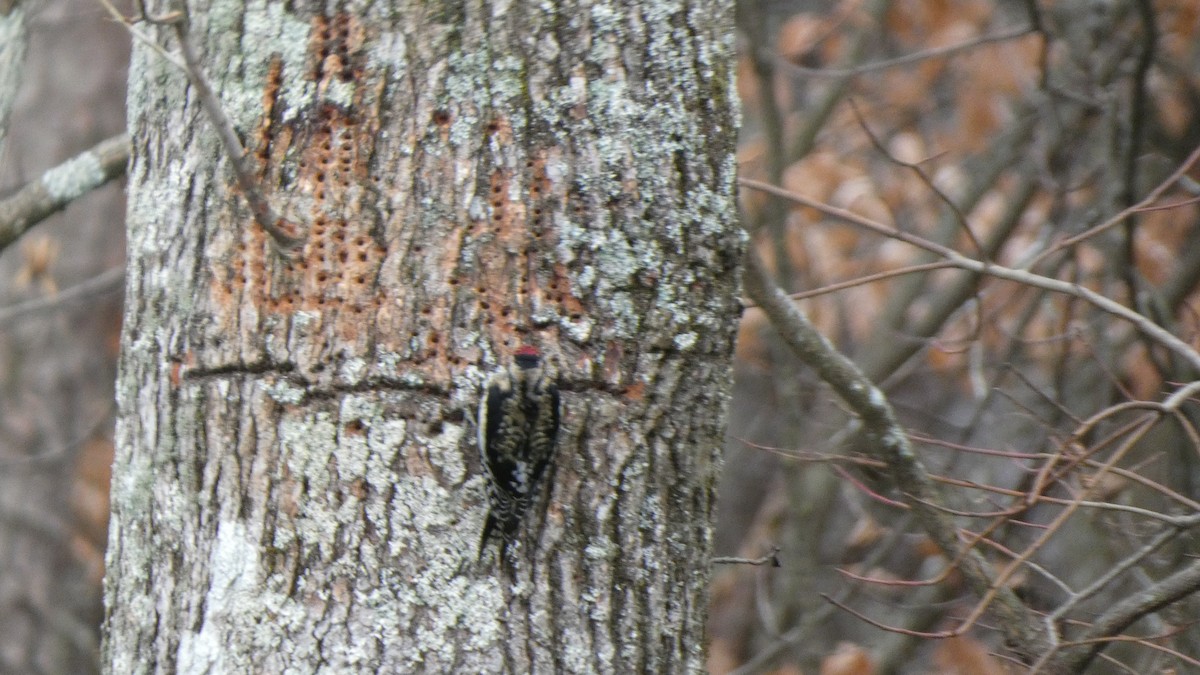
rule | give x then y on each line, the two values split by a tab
861	307
797	242
37	256
892	254
945	360
824	317
799	35
909	147
987	214
927	548
866	202
1104	486
906	89
1139	373
917	20
832	247
89	503
848	659
1019	71
750	350
980	113
766	252
1161	235
954	31
965	656
866	531
1178	20
817	175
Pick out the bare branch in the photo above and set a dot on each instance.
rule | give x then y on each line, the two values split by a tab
909	59
60	186
772	558
890	444
282	233
283	236
105	282
1151	329
1119	218
1119	617
868	279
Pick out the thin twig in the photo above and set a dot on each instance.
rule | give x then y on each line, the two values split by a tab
890	444
1120	568
907	59
916	168
1158	333
285	241
140	36
282	233
772	558
105	282
1119	218
867	279
1121	615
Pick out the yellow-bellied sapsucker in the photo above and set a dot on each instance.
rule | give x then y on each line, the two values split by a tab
518	424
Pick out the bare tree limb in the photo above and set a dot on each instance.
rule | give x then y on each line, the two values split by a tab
909	59
1120	616
772	558
60	186
283	234
889	442
107	281
1151	329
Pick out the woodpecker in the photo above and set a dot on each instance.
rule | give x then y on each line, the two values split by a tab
518	424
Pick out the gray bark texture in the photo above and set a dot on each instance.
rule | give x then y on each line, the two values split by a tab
296	486
13	40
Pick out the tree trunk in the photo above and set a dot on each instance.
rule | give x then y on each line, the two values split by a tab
296	483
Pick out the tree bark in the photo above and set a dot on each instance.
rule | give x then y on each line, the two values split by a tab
13	38
296	483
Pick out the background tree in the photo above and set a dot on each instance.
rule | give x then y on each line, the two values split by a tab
295	463
990	207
